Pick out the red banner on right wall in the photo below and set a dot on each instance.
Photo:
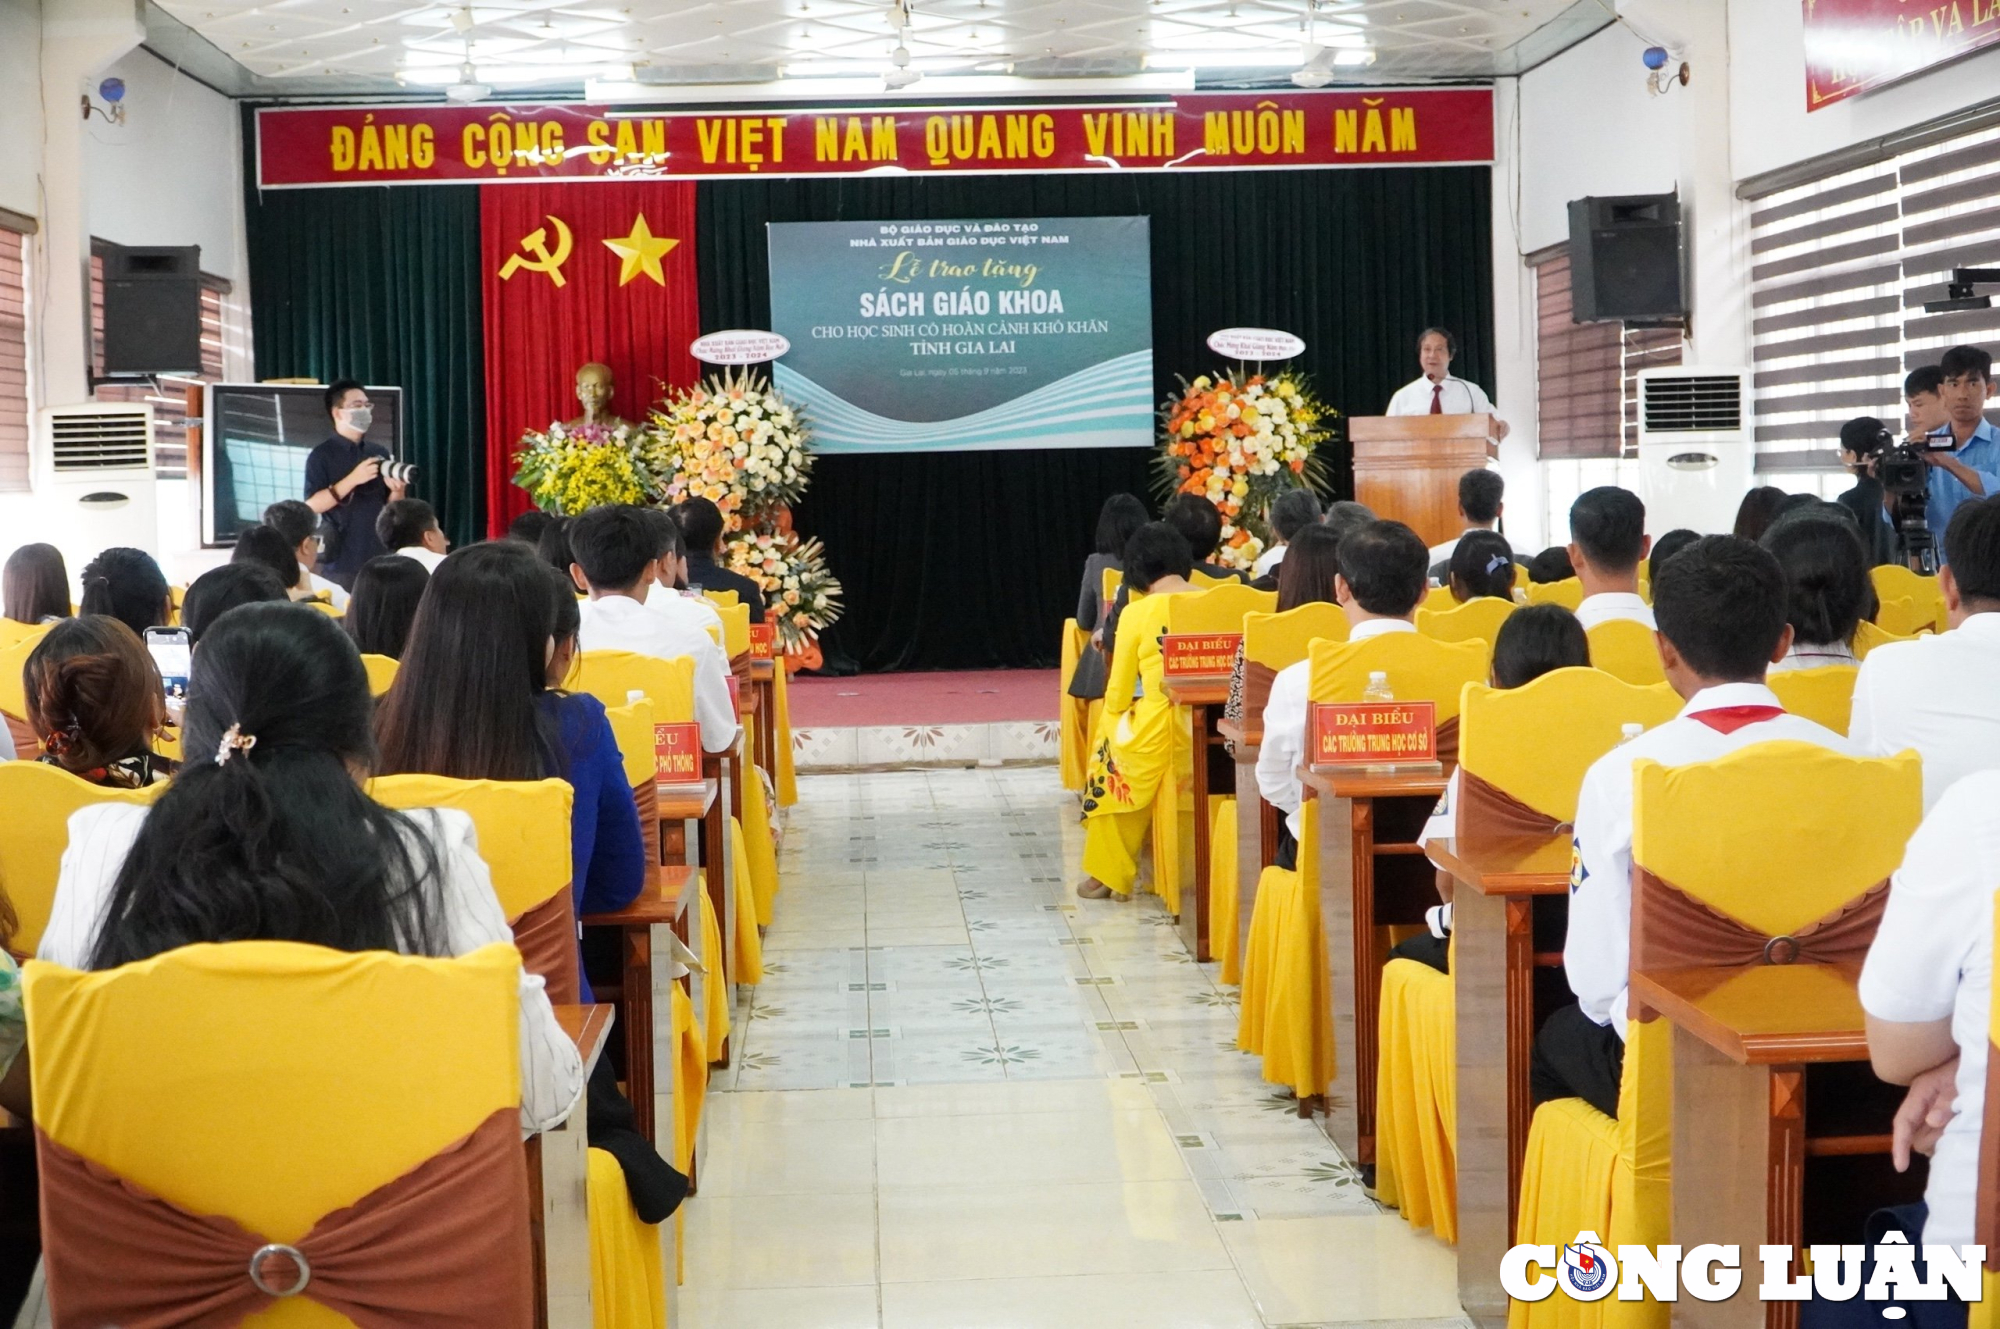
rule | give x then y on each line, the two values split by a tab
1853	46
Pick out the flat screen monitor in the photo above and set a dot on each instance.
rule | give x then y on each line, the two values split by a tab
255	439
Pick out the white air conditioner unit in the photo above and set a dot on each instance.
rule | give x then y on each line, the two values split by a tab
1695	451
94	480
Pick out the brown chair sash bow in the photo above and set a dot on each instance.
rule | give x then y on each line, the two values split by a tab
1673	930
1447	743
26	742
1488	812
546	938
444	1244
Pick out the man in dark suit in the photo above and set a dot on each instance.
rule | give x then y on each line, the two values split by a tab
701	530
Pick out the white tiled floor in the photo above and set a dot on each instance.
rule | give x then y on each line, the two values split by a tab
966	1100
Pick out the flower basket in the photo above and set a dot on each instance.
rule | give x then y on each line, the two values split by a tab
1240	441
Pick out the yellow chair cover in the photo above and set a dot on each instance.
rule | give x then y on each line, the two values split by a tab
1438	599
1475	620
1568	593
1983	1315
1420	668
1566	1183
714	1022
381	672
1893	581
1297	1041
1222	890
611	676
786	776
1202	580
1073	714
723	599
272	1083
632	730
523	828
1278	640
627	1284
324	607
749	947
1108	585
1867	637
12	633
735	629
34	832
1416	1083
1626	648
690	1093
1824	695
1218	609
760	859
1536	741
13	659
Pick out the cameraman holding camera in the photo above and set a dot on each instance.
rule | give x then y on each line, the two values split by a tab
1952	456
1971	468
344	483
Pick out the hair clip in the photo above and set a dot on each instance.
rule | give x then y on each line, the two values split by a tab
1495	563
234	740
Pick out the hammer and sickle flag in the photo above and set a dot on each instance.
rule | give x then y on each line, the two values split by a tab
536	255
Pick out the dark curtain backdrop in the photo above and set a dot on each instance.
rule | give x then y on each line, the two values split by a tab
380	284
971	560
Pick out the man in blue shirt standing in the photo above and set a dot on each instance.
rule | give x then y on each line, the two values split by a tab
1972	468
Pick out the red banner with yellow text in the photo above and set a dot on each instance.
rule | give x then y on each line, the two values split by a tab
441	144
573	277
1855	45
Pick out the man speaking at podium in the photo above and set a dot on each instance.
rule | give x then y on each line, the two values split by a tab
1435	391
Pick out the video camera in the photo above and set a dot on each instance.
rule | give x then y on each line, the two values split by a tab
1900	467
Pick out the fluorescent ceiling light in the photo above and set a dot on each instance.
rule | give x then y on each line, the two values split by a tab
867	84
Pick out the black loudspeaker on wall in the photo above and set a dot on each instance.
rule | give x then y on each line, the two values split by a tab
1627	260
152	310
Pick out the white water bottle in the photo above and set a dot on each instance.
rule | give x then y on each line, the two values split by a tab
1378	687
1628	731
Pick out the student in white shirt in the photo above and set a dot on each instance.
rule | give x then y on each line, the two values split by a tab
1379	586
1826	583
1721	604
1607	538
617	555
1941	694
1435	391
299	524
1479	504
1927	991
670	575
409	526
1291	512
266	834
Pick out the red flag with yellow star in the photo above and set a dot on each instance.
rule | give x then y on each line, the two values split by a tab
576	273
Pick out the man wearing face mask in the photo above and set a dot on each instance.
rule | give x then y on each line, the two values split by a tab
345	484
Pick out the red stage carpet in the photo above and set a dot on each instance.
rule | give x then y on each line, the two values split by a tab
994	715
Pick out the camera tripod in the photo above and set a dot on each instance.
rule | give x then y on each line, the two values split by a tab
1916	547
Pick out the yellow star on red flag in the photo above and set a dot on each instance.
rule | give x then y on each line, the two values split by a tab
641	251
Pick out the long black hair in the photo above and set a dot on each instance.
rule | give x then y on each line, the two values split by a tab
1312	561
465	703
1121	515
1827	587
387	591
36	584
277	842
129	586
1482	566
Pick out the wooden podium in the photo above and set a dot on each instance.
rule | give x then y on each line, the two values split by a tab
1406	467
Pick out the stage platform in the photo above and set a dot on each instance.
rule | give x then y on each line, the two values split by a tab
979	717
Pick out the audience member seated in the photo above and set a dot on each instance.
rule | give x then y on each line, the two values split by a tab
1306	576
1200	523
1927	991
387	592
553	546
409	526
1535	640
1346	516
1754	513
1479	506
265	547
95	702
127	585
219	590
1383	570
299	524
1291	512
478	698
35	586
1665	548
1136	749
1551	565
701	528
671	593
1121	515
1721	609
528	527
1827	590
1607	538
267	835
1941	694
617	557
1481	565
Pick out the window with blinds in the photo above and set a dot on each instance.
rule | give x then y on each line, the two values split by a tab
13	361
1840	270
168	393
1587	391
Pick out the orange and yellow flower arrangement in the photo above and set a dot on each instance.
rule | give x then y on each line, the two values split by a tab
1240	441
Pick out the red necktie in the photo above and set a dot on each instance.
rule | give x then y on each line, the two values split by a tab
1729	719
1437	399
